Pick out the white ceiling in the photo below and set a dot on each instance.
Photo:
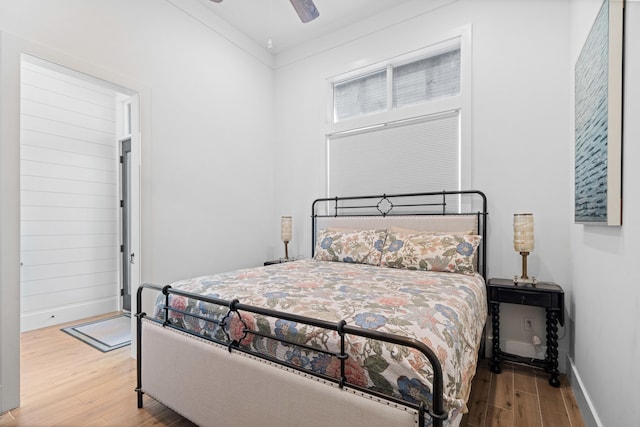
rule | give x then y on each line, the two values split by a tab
261	20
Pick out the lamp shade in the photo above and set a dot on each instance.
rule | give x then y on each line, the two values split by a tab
523	232
286	231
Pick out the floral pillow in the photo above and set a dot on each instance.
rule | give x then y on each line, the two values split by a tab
454	253
358	246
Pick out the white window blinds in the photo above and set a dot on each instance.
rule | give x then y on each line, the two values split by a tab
426	80
401	157
361	96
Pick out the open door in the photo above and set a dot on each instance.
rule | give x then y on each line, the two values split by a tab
128	257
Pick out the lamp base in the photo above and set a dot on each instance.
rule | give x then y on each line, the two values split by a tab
525	280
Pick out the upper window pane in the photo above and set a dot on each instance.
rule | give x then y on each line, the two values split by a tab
361	96
427	79
416	78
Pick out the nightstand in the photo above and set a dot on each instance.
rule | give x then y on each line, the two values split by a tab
544	294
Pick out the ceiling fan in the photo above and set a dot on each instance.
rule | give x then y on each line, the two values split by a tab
305	9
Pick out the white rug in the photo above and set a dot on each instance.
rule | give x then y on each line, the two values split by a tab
105	334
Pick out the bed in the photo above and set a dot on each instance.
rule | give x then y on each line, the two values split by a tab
381	326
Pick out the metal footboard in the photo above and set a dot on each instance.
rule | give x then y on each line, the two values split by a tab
435	412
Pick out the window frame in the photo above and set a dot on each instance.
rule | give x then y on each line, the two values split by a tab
460	102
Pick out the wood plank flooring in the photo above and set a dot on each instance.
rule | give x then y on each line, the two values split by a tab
65	382
68	383
521	397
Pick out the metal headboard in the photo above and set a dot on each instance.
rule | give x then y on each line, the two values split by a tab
441	203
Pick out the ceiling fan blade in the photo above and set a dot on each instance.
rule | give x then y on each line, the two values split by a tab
217	1
305	9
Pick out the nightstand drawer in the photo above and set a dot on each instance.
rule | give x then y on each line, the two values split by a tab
524	297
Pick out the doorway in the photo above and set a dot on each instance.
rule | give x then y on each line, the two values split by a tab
76	195
12	52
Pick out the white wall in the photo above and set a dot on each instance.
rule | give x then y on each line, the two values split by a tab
519	133
210	123
605	301
207	136
9	224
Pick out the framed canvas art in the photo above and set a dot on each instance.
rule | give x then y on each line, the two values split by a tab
598	120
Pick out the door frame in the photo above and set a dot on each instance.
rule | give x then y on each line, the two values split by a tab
11	50
127	255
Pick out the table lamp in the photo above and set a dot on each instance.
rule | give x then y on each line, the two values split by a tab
286	233
523	243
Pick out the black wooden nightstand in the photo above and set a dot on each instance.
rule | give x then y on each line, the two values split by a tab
543	294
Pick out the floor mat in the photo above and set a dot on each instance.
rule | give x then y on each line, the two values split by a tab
104	334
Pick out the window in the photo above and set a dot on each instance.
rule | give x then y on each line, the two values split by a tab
401	126
397	157
398	84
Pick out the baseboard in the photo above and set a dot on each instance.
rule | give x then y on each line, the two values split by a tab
58	315
587	410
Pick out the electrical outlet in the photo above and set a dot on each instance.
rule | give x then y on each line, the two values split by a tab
528	324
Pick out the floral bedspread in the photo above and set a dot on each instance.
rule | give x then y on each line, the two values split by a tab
446	311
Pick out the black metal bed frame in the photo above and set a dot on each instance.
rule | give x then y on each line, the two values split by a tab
385	207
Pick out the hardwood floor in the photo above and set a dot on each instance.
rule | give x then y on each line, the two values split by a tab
521	397
65	382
